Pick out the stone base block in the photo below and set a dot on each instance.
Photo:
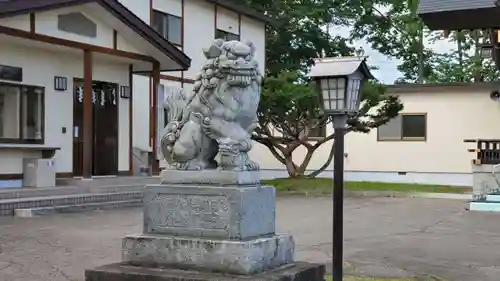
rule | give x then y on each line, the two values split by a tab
234	213
233	257
210	177
300	271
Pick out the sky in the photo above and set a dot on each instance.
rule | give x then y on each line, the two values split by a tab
387	71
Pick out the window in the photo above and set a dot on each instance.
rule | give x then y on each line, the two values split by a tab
21	113
77	23
11	73
168	26
406	126
228	36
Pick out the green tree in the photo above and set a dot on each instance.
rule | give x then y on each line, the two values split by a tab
393	28
465	63
298	34
289	112
289	109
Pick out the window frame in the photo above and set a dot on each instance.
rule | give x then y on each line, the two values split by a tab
218	30
21	139
165	16
403	138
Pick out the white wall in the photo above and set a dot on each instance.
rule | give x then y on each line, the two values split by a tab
140	121
20	22
255	31
228	20
46	23
139	7
172	7
452	116
199	32
39	68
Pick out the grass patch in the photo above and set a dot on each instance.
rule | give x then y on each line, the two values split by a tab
325	186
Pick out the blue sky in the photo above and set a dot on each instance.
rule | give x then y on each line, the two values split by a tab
387	71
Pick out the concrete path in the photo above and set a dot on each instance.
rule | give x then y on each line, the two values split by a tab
384	236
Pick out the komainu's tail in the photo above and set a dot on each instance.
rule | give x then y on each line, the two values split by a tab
177	113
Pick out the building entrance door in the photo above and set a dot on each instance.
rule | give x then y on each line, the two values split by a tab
104	128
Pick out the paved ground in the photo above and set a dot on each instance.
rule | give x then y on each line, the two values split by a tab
384	236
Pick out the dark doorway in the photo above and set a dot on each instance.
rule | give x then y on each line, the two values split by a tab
104	128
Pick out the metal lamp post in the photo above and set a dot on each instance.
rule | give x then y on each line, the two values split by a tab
339	81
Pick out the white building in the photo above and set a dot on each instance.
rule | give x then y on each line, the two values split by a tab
75	75
424	144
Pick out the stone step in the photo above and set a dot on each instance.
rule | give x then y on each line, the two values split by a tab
113	181
484	206
39	192
66	190
7	206
51	210
493	198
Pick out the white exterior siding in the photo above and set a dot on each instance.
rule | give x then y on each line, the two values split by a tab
39	68
140	8
228	20
46	24
20	22
42	61
140	88
452	116
199	32
172	7
140	121
255	31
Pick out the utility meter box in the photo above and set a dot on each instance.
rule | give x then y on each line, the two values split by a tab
39	172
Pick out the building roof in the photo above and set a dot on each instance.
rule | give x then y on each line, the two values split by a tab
442	87
339	67
459	14
242	9
19	7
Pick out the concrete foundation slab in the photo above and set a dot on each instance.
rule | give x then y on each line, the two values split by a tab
299	271
222	212
234	257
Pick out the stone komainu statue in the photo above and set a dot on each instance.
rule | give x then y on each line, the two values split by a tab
219	115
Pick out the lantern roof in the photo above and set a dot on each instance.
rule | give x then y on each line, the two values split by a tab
340	66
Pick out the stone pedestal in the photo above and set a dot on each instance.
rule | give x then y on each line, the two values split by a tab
224	256
210	177
299	271
484	181
221	228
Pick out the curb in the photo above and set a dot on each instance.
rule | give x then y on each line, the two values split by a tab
396	194
379	194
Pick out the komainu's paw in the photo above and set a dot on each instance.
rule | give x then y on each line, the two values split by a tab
252	166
